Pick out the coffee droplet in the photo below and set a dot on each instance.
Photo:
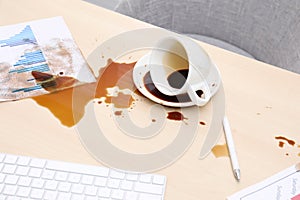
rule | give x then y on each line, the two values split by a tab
220	151
177	116
118	113
202	123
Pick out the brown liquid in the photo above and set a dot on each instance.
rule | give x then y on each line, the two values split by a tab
202	123
149	85
118	113
177	116
220	151
281	144
60	103
291	142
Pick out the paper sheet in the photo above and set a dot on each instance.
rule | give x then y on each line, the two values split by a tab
45	47
282	186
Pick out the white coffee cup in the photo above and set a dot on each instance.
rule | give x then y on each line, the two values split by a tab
178	65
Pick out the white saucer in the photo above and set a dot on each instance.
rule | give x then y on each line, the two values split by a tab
141	73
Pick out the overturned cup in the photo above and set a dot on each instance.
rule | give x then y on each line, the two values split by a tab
177	72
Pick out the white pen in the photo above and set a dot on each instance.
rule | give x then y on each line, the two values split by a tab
231	149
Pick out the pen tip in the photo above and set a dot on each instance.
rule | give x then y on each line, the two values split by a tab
237	174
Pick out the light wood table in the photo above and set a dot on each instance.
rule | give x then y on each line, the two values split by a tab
262	101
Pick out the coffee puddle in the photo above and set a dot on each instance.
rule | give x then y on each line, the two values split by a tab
60	103
220	151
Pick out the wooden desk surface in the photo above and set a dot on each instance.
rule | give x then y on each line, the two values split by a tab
262	102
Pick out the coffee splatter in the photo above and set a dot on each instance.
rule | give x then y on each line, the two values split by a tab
177	116
220	151
298	154
291	142
202	123
60	103
287	154
153	120
281	144
118	113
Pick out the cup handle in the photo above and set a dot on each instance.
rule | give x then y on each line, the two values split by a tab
199	94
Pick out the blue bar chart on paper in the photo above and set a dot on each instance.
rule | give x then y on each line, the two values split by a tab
43	46
32	59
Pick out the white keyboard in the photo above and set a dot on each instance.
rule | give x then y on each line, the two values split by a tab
33	178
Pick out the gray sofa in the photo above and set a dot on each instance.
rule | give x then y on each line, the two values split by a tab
267	30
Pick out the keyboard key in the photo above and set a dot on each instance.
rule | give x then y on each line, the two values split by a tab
74	178
92	198
100	181
51	185
23	161
131	196
10	190
61	176
91	190
1	187
48	174
37	183
24	181
35	172
149	197
117	194
117	174
132	177
12	198
2	156
64	187
23	191
36	193
77	168
50	195
148	188
38	163
11	179
77	188
104	192
63	196
2	177
10	159
126	185
145	178
113	183
22	170
157	179
87	179
1	166
78	197
9	169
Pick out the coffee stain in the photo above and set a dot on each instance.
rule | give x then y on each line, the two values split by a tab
220	151
298	154
175	115
118	113
287	154
153	120
291	142
281	144
202	123
60	103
